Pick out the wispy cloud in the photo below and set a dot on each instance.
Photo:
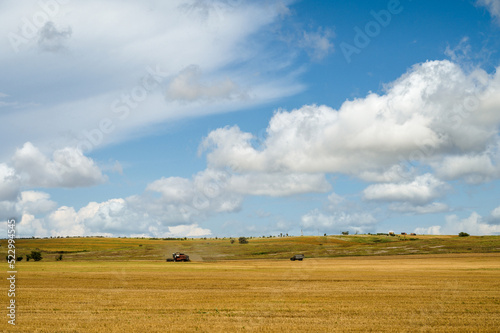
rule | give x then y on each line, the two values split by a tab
318	43
208	53
493	7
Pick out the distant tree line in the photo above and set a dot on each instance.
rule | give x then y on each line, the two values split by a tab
35	255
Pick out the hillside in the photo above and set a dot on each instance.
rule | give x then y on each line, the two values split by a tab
110	249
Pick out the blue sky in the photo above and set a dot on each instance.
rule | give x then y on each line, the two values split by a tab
228	118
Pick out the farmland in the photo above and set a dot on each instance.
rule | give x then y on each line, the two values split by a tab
125	285
112	249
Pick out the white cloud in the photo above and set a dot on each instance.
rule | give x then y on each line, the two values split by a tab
115	217
495	216
317	44
67	168
405	207
335	199
35	202
30	205
419	191
173	189
493	7
118	217
474	225
30	226
206	192
9	183
339	214
460	52
315	220
132	215
64	222
473	169
395	173
433	112
277	184
7	210
496	213
142	214
187	86
223	191
434	230
192	230
118	168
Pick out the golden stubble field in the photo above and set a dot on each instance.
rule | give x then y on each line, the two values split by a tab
434	293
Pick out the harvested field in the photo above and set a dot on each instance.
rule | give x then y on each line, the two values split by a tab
416	293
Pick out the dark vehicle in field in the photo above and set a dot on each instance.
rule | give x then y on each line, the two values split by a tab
177	256
297	257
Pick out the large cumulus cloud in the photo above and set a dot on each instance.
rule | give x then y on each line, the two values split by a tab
433	113
67	168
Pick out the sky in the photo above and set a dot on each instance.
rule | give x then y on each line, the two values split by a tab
225	118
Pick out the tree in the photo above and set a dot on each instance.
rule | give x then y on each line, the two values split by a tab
243	240
463	234
36	255
232	241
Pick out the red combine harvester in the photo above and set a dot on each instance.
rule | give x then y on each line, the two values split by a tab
177	256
